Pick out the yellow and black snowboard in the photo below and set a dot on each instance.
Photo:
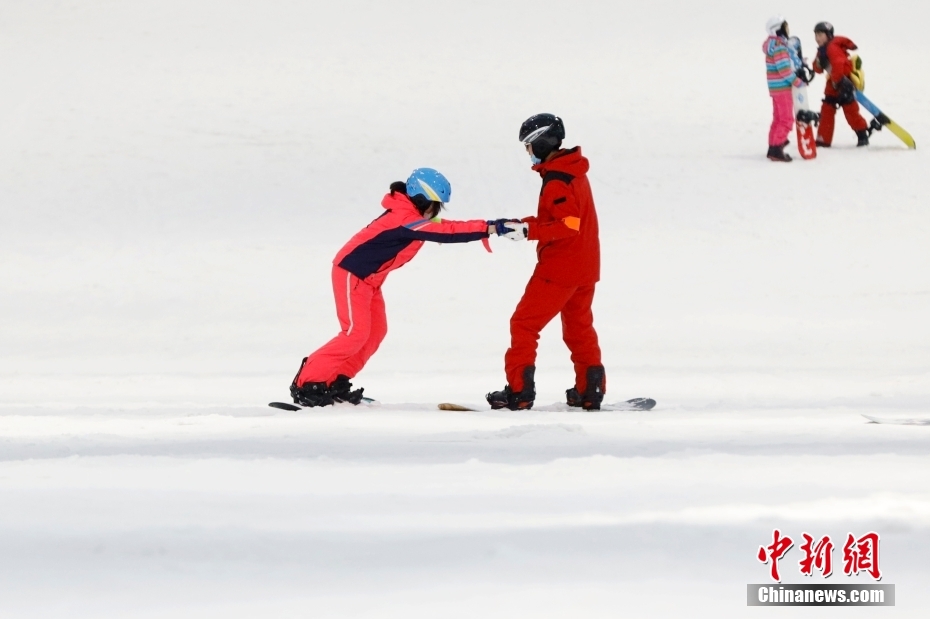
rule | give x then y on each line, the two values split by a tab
882	121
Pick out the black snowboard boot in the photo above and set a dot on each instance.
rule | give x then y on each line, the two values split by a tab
312	394
516	400
593	394
777	153
821	144
863	137
341	390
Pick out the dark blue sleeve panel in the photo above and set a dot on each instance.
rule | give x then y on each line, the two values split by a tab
447	237
447	231
369	257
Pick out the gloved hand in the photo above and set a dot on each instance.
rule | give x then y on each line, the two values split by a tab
846	92
515	230
805	74
498	225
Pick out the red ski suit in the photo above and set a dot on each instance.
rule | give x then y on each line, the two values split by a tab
833	58
359	269
568	266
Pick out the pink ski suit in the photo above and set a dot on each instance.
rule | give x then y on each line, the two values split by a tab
359	269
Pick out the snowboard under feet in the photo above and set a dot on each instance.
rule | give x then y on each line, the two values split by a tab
286	406
636	404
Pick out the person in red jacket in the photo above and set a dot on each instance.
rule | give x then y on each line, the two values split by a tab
410	218
568	266
833	61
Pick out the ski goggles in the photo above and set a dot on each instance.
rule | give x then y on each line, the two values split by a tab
530	138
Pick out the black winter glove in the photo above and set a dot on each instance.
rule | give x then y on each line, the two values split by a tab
805	74
846	92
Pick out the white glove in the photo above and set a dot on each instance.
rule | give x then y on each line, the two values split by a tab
518	230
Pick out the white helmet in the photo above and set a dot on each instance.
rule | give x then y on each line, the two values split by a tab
774	24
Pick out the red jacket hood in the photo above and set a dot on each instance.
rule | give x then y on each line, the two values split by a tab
570	161
843	43
398	202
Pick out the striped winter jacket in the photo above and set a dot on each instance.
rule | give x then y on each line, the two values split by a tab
778	65
394	238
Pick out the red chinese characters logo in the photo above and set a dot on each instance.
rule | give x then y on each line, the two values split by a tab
861	555
779	547
819	555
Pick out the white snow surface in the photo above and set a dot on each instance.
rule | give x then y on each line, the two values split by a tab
175	178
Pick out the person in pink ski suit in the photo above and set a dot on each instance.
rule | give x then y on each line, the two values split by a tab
781	74
359	269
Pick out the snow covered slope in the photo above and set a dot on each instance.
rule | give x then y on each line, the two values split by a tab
405	511
175	178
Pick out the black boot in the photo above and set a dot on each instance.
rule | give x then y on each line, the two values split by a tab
777	153
593	394
821	144
516	400
863	137
312	394
341	390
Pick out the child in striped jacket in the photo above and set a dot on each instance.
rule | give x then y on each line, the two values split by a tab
782	75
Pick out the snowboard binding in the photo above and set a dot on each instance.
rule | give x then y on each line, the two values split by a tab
341	390
516	400
312	394
809	117
593	394
321	394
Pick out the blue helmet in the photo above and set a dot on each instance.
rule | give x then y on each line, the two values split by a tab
429	183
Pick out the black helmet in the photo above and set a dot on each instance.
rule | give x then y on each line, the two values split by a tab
544	132
826	28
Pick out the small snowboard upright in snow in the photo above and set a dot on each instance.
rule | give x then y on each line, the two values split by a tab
804	118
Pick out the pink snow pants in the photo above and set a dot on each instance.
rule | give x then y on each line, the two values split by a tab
782	117
360	308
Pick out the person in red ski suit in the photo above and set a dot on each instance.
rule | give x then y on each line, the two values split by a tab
833	61
359	270
567	269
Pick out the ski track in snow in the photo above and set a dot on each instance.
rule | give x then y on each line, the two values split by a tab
176	178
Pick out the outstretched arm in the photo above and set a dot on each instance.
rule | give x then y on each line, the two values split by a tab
449	231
